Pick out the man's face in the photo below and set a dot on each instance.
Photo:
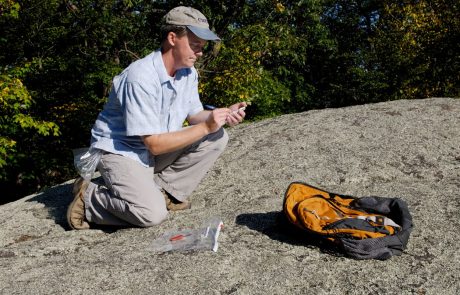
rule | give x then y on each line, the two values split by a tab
187	50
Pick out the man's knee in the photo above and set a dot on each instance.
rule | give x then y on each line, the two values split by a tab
220	139
148	217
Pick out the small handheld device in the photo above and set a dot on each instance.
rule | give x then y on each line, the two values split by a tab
242	109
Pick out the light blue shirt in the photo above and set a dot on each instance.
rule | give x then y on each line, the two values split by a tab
145	100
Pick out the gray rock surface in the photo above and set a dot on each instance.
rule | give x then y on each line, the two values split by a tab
406	149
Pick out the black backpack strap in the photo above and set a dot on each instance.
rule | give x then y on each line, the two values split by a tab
394	208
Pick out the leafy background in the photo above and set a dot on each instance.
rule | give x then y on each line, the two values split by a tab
57	59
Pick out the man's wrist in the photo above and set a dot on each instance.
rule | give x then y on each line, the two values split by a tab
205	128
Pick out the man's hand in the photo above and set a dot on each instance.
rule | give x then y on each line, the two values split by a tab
231	116
236	114
216	119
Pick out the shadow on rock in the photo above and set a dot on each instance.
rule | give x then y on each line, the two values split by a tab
276	226
56	201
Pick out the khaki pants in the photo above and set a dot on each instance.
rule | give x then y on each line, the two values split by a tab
131	194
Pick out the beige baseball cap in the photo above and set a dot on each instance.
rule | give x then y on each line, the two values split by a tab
194	20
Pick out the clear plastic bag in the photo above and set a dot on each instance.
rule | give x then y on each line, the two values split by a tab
85	161
203	238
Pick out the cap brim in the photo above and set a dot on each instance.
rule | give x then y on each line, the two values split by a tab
203	33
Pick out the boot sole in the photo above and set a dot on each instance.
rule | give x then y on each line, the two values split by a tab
77	197
69	210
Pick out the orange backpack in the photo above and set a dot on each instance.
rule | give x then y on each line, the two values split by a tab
369	227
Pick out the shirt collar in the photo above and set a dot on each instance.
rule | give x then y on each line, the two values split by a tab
160	68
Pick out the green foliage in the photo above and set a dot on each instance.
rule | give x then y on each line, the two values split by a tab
16	119
264	59
9	9
416	42
237	74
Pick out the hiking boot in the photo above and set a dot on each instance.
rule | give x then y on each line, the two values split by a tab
76	211
172	204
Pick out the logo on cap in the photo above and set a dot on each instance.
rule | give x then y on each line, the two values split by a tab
203	20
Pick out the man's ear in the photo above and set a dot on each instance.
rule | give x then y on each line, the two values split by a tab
171	38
